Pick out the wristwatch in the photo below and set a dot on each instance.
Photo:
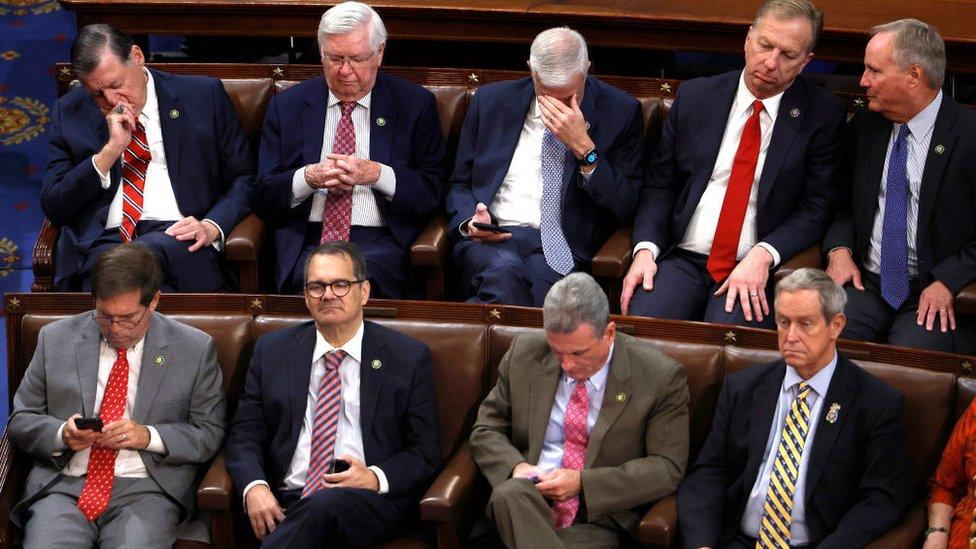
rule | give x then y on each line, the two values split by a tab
589	159
931	529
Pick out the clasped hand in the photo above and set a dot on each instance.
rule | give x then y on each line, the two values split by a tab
342	172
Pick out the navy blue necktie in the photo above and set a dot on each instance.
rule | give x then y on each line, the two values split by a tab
894	229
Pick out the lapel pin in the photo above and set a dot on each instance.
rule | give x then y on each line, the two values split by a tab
174	114
380	121
621	397
939	149
159	360
795	112
833	413
376	364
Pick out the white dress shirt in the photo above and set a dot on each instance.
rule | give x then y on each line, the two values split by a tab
349	433
921	128
701	228
365	212
752	516
128	463
552	446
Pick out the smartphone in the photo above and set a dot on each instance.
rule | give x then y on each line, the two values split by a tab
535	479
89	423
338	466
489	227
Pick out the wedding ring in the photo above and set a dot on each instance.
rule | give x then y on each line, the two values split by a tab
125	436
754	295
120	109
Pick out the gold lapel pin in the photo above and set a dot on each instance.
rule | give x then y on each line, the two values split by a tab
376	364
795	112
380	121
159	360
621	397
833	413
174	114
939	149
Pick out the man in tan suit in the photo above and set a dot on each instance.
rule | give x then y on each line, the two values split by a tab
584	429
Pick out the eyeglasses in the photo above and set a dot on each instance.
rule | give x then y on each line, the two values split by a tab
340	288
355	61
125	322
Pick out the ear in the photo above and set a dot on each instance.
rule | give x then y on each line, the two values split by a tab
806	60
155	302
365	292
837	326
748	38
379	54
136	55
610	332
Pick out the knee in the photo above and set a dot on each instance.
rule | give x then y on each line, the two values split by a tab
510	491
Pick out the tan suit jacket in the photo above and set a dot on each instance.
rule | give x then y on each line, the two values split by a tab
638	447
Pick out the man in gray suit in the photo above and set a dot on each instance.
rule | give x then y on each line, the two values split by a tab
584	429
118	408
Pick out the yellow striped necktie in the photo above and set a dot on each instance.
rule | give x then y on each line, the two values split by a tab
774	530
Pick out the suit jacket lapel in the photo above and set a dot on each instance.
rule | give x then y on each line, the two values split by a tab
508	124
313	123
943	135
710	134
370	378
784	132
542	393
840	392
875	165
381	136
610	409
764	400
86	349
150	374
298	363
168	100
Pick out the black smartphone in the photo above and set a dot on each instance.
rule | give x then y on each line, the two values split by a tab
338	466
89	423
489	227
535	479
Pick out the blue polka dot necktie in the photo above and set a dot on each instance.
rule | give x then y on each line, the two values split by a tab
894	229
554	245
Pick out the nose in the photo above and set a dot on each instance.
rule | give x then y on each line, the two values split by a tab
345	68
112	97
772	60
865	81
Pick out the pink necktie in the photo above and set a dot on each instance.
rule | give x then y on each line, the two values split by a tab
101	461
337	215
324	423
574	449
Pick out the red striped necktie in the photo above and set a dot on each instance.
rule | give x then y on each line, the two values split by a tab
135	161
324	423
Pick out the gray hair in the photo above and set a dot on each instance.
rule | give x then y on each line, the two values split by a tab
558	55
91	43
792	9
573	301
917	43
832	296
349	16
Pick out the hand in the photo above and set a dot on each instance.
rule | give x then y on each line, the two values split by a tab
747	282
357	476
120	126
478	235
841	268
325	175
78	439
355	170
124	434
566	123
188	228
937	298
525	470
263	510
642	271
560	484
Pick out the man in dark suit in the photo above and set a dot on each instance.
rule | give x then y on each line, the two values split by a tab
585	425
741	180
337	388
555	160
140	155
905	255
806	451
357	155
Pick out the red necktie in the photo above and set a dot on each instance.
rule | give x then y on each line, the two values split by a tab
337	215
324	423
135	160
576	437
725	244
101	462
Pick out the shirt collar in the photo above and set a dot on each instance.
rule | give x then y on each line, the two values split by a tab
135	348
353	347
597	380
744	100
150	111
819	382
534	111
923	122
364	102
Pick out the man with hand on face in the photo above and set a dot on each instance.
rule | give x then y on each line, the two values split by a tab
585	428
905	241
357	155
555	160
337	388
742	179
154	386
808	451
137	154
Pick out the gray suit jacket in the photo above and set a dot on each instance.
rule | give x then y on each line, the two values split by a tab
182	398
638	448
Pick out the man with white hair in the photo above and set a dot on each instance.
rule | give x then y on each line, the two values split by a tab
584	428
547	168
907	243
357	155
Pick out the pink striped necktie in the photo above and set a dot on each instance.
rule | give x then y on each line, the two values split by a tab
576	437
135	161
337	215
324	423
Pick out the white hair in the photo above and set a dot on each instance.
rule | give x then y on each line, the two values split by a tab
349	16
558	56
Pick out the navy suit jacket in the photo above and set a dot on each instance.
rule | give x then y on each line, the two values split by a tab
946	236
797	186
207	158
410	141
857	476
398	408
592	209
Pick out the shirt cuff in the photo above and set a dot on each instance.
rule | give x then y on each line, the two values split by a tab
380	476
645	245
386	183
248	488
103	176
59	445
156	444
585	175
300	189
772	251
219	243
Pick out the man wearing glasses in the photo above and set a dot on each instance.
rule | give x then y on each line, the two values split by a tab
335	437
118	408
356	155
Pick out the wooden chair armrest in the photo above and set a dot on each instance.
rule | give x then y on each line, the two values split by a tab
452	486
908	532
431	246
245	240
8	490
216	489
42	260
966	300
660	524
809	257
613	258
